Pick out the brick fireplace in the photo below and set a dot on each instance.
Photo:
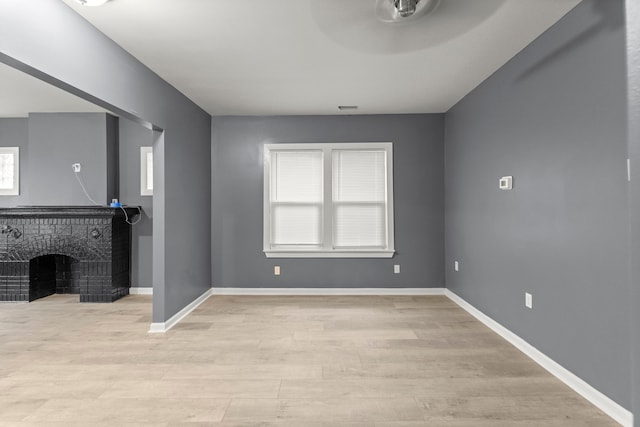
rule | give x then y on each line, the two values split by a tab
83	250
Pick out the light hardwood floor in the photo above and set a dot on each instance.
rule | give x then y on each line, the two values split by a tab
272	361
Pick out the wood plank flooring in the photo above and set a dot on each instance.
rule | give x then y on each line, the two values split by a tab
272	361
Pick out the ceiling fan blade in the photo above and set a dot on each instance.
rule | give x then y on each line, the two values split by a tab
385	11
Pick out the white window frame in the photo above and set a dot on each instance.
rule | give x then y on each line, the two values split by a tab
327	250
145	190
15	190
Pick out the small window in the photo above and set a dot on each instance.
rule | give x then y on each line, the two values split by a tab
146	171
328	200
9	171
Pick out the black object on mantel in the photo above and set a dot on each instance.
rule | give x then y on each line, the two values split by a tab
82	250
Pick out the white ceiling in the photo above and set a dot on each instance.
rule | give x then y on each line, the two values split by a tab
21	94
280	57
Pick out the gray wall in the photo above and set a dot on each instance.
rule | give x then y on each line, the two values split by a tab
113	161
14	133
85	62
132	137
56	141
555	118
237	201
633	85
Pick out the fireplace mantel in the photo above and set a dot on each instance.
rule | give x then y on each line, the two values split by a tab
66	211
96	240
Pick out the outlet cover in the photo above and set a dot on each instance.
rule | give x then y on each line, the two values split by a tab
276	270
506	183
456	266
528	300
396	268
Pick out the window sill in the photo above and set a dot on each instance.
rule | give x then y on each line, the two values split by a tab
329	254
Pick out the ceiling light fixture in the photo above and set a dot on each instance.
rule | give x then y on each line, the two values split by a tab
406	7
395	11
92	2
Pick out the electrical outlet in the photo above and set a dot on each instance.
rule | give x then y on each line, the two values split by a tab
276	270
76	167
528	300
396	269
456	265
506	183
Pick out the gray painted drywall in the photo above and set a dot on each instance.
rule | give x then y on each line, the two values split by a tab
237	201
132	137
554	117
13	133
75	56
159	279
56	141
633	87
113	161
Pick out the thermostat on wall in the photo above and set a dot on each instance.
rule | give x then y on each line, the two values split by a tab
506	183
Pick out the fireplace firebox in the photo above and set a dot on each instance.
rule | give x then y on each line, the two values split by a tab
83	250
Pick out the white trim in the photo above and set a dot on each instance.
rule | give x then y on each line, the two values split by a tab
326	291
326	249
274	253
162	327
604	403
140	291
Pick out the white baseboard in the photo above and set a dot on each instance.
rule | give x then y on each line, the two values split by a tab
140	291
606	405
173	320
326	291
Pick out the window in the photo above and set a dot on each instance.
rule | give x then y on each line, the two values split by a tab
328	200
146	171
9	171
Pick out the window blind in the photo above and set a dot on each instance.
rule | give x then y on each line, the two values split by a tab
9	171
359	198
6	171
150	171
296	198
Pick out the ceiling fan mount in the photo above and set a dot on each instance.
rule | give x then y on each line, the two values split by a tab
376	26
400	11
